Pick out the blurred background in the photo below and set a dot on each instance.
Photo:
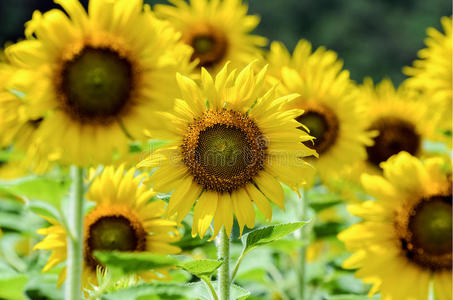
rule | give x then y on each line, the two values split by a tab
373	37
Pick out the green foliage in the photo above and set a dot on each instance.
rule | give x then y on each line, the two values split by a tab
265	235
200	268
350	297
132	262
12	286
44	188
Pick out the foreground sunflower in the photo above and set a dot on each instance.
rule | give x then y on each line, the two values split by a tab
431	75
123	219
401	121
231	143
405	240
327	96
95	77
217	30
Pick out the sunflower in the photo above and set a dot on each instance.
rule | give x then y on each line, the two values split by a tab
431	76
217	30
405	240
231	143
95	77
327	96
401	121
17	130
123	219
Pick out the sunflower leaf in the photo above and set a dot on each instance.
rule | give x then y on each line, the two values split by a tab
202	267
154	290
268	234
44	188
12	286
132	262
351	297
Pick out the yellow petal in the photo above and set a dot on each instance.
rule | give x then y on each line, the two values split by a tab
271	188
260	201
204	212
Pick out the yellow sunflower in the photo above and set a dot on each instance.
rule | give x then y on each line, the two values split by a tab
123	219
432	76
217	30
95	77
400	120
231	144
18	131
327	96
405	240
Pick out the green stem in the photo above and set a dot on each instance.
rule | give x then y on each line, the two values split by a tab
75	236
223	253
211	288
304	237
236	268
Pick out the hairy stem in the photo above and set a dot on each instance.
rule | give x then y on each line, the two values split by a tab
304	237
223	253
75	237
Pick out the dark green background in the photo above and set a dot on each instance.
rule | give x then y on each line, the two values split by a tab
374	37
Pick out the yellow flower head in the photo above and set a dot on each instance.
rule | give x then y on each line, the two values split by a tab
95	77
400	120
123	219
217	30
327	96
231	144
405	239
431	75
17	130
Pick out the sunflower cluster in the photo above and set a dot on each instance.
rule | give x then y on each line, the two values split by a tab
242	127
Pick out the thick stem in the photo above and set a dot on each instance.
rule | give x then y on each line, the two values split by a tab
223	253
75	237
304	237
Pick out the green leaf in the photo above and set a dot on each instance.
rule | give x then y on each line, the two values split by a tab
45	188
43	209
351	297
199	290
268	234
155	290
12	286
202	267
131	262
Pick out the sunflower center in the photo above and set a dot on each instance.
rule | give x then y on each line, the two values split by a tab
323	125
395	135
96	84
209	44
428	241
224	150
114	233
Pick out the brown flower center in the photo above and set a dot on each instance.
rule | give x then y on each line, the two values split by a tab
223	150
209	44
323	125
427	232
113	233
395	135
96	84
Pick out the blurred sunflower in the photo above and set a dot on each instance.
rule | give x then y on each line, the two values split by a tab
400	120
123	219
432	76
231	143
405	240
95	77
17	130
327	96
217	30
